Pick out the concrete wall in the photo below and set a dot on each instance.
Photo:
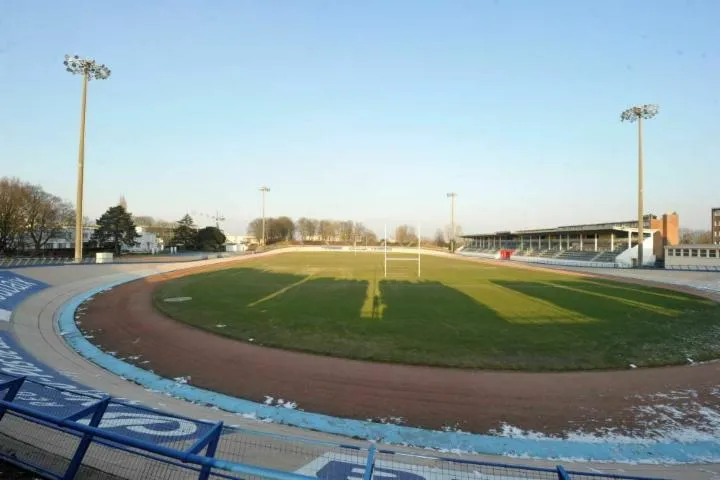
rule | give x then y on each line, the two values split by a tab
626	257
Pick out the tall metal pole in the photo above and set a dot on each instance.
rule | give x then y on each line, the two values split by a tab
385	260
90	70
452	195
80	175
641	220
418	252
263	189
639	113
263	215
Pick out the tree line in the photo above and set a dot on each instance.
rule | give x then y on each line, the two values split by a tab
695	237
188	236
30	216
284	229
117	228
308	230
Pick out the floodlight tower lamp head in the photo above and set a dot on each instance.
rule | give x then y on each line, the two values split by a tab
86	66
637	112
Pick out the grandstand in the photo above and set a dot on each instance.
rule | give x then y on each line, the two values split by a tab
611	243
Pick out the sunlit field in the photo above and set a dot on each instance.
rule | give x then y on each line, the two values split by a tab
459	313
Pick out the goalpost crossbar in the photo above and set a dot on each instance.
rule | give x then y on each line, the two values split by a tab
401	259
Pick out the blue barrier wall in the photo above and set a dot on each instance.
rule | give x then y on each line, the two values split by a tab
80	439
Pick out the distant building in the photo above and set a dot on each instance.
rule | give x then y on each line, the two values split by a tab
598	242
240	239
715	225
685	256
147	242
64	239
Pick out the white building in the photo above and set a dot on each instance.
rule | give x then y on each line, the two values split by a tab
701	256
147	242
64	239
240	239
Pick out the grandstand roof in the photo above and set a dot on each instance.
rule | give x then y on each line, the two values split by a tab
589	227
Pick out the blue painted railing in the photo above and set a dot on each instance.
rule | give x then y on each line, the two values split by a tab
83	441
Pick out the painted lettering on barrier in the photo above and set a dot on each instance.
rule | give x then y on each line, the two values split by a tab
147	424
332	466
120	417
13	290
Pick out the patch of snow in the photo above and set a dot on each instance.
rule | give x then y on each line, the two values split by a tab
268	400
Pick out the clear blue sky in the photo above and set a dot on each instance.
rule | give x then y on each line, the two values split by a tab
369	110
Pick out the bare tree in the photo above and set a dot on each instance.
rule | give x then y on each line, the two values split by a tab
13	195
439	239
458	234
314	227
255	228
405	235
306	228
45	216
144	221
284	228
345	230
697	237
327	230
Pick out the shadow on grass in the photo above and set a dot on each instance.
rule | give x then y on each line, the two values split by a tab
593	300
428	322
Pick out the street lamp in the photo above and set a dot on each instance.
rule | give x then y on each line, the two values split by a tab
89	69
639	113
452	220
264	190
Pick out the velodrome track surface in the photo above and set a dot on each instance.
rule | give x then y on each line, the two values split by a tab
34	327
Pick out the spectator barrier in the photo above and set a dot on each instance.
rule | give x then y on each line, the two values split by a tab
97	436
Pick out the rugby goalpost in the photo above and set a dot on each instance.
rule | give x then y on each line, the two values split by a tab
401	259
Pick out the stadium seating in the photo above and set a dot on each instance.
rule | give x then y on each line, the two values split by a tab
607	256
578	255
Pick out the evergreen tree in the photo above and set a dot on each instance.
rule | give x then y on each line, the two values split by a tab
185	233
210	239
115	228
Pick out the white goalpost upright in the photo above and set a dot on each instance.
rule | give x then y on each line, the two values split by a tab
401	259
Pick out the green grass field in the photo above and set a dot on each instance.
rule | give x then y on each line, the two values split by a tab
461	314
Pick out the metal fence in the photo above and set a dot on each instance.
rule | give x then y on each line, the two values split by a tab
99	437
701	268
15	262
19	262
570	263
549	261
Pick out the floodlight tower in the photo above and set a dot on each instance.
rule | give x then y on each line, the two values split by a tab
90	70
452	221
639	113
264	190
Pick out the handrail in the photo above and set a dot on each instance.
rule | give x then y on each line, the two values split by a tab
93	432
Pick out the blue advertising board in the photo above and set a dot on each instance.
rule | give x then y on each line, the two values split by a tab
69	396
14	289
